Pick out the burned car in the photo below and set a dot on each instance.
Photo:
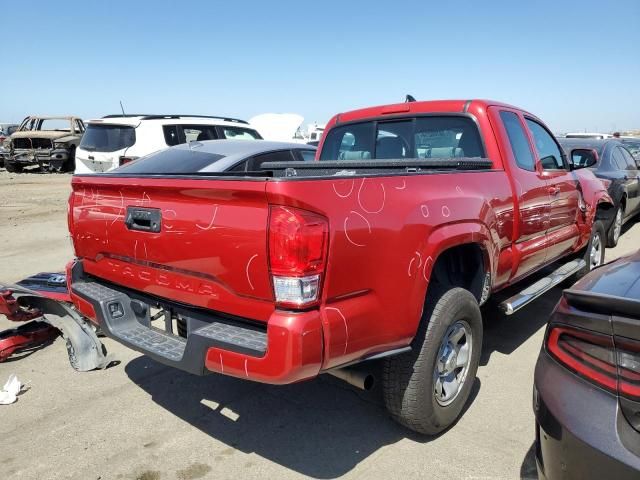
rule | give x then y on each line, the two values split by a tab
47	142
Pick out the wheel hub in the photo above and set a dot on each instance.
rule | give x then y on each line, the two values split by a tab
453	362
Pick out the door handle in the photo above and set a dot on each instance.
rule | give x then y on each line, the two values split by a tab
554	191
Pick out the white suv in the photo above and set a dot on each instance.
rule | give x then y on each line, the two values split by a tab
114	140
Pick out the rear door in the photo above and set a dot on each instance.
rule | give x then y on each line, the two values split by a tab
562	187
531	216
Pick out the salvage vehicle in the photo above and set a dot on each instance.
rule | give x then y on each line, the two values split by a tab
587	379
47	142
6	129
611	161
385	247
114	140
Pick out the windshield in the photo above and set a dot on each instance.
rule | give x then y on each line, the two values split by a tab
172	161
107	138
407	138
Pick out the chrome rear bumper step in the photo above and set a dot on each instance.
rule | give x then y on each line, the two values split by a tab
529	294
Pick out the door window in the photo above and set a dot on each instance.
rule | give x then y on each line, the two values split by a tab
236	133
617	159
199	133
308	155
547	148
518	140
629	160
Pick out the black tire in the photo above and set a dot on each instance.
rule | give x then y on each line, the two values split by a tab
70	164
597	231
612	239
13	167
409	380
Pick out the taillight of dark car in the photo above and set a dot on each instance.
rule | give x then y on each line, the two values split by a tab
125	160
298	242
612	363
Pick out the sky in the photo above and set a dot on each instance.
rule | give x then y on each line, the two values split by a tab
575	64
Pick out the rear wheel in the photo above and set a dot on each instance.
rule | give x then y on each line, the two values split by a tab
13	167
613	235
70	164
594	254
427	388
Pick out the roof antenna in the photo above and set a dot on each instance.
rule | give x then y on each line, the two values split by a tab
122	108
409	99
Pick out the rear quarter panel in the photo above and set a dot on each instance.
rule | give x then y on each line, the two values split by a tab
386	233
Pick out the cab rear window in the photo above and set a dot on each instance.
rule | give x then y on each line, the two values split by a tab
107	138
445	136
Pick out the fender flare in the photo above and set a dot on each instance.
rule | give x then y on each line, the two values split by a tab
467	232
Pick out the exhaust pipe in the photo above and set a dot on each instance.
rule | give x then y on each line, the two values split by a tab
357	378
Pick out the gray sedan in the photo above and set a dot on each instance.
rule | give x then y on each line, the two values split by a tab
215	156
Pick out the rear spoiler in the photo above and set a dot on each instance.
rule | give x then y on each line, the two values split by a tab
354	167
603	303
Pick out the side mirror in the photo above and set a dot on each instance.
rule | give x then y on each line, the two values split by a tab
583	158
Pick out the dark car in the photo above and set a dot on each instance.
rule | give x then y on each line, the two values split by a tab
611	161
218	156
633	145
587	379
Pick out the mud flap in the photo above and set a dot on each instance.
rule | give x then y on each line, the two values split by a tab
86	351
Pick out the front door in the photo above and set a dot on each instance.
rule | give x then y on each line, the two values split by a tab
563	190
532	198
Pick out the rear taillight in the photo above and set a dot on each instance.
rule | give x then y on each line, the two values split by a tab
612	363
125	160
70	223
589	355
298	242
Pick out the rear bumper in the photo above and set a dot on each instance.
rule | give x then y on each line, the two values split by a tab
288	350
580	431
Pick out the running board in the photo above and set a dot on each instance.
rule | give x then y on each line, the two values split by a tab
529	294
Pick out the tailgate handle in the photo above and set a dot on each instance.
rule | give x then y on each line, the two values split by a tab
143	219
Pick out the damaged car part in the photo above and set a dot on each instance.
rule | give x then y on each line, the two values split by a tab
86	351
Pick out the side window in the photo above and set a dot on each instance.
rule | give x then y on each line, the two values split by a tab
254	163
199	133
235	133
548	150
630	161
171	136
518	140
308	155
617	160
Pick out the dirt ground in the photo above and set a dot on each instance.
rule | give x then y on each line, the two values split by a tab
142	420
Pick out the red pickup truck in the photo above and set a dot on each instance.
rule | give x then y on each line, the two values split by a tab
411	216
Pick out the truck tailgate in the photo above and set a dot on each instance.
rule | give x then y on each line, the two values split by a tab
197	241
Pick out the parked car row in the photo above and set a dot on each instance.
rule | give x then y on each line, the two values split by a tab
612	162
66	144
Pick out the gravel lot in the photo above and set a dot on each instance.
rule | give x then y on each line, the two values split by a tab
141	420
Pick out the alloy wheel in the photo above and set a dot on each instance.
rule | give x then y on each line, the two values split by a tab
452	363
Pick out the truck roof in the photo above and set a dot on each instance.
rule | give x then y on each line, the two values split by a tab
445	106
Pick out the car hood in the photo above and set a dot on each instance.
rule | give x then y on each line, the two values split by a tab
41	134
620	278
